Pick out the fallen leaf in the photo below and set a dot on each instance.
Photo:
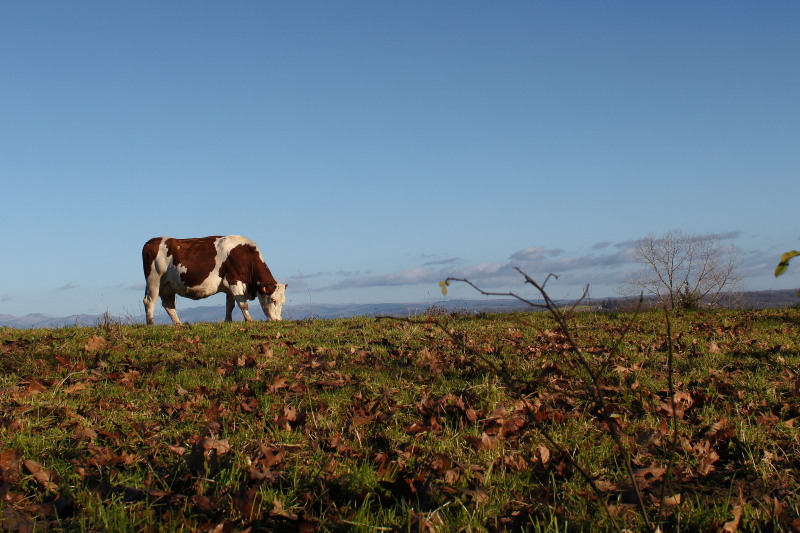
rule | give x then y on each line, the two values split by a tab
484	442
34	387
721	430
9	464
204	503
75	387
733	525
13	520
362	420
278	510
605	486
44	476
543	454
277	383
95	343
219	446
177	450
86	434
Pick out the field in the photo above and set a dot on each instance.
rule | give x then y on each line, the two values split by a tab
440	423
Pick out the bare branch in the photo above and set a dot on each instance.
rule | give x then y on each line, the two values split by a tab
602	408
487	293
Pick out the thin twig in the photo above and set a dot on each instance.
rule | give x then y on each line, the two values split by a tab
674	421
602	406
487	293
509	383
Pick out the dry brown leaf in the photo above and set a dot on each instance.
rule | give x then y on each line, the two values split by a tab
277	383
362	420
34	387
44	476
75	388
14	520
219	446
478	495
733	525
484	442
86	434
707	462
605	486
683	399
542	454
9	464
290	413
177	450
646	477
721	430
94	343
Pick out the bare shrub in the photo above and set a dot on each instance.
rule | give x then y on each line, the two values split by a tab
684	271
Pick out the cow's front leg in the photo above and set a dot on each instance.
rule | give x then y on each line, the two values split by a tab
229	304
243	305
168	301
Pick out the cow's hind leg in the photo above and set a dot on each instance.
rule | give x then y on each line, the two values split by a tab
168	301
229	304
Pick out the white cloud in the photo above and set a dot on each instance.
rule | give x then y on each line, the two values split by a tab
603	266
536	261
535	253
67	287
414	276
448	261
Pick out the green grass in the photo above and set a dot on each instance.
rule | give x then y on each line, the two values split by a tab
391	425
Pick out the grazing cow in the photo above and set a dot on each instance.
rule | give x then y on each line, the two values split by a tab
198	268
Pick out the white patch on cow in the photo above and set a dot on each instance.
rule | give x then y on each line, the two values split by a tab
238	289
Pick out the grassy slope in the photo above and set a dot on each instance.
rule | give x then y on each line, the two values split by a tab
358	424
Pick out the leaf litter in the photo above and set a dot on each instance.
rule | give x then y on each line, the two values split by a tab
391	425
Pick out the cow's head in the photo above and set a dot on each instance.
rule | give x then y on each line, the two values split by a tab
272	303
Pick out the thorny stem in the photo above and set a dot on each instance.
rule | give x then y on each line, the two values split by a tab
509	382
671	392
603	409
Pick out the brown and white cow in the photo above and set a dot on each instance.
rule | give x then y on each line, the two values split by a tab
198	268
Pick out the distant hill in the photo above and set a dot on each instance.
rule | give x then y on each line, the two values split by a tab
215	313
38	320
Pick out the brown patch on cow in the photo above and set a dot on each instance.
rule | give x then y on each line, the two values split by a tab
244	264
197	255
149	253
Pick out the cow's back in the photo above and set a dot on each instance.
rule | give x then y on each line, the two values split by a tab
191	262
197	258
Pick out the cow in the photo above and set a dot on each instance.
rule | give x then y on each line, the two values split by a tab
198	268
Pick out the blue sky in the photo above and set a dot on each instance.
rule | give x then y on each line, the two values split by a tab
374	148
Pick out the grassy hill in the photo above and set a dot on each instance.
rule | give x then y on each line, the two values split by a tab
479	423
